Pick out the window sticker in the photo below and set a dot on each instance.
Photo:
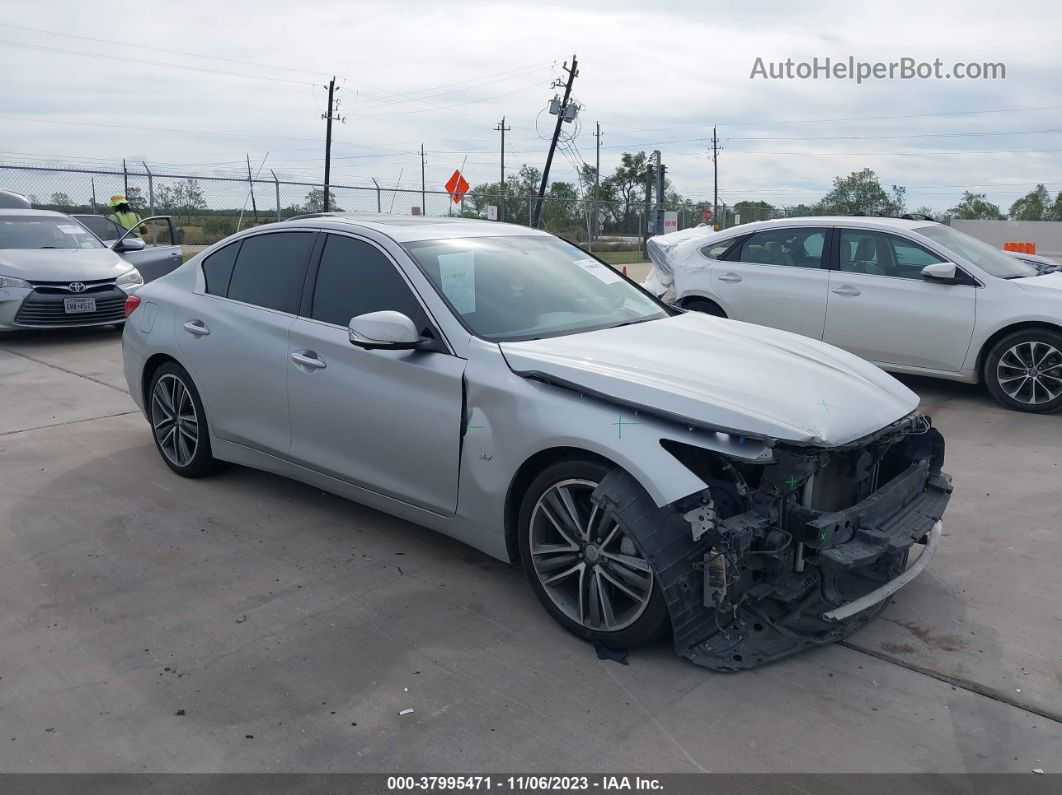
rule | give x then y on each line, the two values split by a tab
457	275
602	272
70	229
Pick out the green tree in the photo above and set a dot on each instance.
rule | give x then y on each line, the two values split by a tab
60	199
137	203
315	202
754	211
975	207
1033	206
861	192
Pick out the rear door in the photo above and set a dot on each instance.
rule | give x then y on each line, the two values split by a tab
777	278
880	307
235	336
389	421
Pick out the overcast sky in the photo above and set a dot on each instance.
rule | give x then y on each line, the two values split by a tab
653	75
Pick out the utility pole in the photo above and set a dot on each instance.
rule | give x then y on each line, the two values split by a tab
330	116
658	216
572	74
502	129
715	177
423	195
250	181
648	204
597	178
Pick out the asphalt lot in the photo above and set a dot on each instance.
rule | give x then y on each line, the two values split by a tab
248	623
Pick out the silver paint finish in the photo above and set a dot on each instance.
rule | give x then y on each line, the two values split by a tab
438	438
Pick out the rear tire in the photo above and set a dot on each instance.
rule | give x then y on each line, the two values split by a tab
1023	371
587	574
178	422
705	306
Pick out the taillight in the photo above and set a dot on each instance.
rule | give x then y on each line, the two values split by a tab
131	303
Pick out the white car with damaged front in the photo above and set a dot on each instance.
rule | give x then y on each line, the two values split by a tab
911	296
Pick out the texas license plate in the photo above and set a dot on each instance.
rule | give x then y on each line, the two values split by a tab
74	306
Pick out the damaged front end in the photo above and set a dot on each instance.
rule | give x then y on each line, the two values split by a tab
799	552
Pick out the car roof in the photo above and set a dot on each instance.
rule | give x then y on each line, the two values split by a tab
24	213
883	223
407	228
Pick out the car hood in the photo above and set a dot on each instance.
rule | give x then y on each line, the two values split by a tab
726	375
1049	282
62	264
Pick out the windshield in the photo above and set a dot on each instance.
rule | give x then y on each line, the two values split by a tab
44	231
527	287
993	261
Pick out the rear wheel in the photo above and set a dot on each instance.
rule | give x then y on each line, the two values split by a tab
588	574
1023	371
705	306
178	422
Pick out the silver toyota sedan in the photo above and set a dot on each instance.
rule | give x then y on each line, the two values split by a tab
753	491
54	273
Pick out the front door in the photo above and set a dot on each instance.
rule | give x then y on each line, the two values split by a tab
882	309
777	278
389	421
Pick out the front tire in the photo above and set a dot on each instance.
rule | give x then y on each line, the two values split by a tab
1023	371
705	306
178	422
586	572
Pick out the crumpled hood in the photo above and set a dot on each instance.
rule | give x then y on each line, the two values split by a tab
61	264
724	374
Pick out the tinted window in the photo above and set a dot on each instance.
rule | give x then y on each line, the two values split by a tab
717	250
270	269
217	269
101	227
882	254
800	247
355	277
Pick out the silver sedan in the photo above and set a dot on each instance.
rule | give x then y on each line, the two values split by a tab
754	491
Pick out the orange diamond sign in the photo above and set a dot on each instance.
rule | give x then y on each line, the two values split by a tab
457	186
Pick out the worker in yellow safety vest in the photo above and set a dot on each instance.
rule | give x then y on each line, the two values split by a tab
124	216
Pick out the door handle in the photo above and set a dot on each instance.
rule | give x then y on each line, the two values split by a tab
196	328
308	359
730	277
847	289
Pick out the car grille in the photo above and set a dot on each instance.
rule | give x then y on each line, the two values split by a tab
63	288
46	308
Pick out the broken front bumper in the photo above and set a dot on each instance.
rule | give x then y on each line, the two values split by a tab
835	572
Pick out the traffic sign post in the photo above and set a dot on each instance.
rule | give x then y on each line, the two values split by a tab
457	186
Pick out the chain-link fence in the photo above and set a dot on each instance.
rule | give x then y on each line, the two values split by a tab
207	208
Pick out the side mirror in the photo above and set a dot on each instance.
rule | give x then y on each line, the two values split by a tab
386	330
939	272
129	244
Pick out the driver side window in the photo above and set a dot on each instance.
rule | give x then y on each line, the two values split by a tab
882	254
356	278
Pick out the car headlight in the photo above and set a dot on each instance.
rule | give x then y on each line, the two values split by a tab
130	278
11	281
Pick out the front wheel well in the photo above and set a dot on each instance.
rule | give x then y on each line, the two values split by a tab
690	300
990	343
527	472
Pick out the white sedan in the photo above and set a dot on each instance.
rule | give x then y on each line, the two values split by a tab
911	296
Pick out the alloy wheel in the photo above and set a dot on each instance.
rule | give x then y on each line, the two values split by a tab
590	569
1031	372
174	419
